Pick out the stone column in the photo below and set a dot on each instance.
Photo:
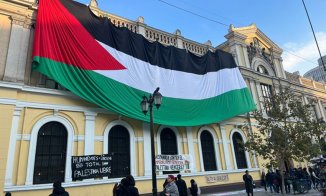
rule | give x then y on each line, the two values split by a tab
17	50
225	148
147	151
260	97
254	93
240	55
245	55
12	146
89	133
191	149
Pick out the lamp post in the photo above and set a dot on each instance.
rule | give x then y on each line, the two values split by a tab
146	103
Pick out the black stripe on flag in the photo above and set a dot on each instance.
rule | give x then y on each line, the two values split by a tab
136	45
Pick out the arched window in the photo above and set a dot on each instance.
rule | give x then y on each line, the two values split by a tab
262	69
207	147
239	151
168	144
119	146
51	150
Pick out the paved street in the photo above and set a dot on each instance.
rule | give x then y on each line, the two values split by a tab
261	192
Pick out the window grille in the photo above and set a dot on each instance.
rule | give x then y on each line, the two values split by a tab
239	151
119	146
168	145
208	152
50	157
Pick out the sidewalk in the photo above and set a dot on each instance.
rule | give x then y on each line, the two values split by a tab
260	192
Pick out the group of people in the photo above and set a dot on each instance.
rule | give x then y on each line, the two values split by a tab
171	187
273	180
178	187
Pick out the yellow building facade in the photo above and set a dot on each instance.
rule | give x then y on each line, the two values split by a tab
29	101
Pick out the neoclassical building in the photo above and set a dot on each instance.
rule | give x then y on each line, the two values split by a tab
43	125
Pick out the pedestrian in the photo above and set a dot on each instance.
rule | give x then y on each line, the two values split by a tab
182	187
115	188
269	179
171	188
287	182
263	179
58	190
278	182
248	183
122	188
131	186
193	188
8	194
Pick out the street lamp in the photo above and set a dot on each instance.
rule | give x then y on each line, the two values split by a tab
146	103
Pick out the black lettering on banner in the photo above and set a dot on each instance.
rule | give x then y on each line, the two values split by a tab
91	166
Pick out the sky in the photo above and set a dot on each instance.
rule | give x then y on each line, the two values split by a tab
283	21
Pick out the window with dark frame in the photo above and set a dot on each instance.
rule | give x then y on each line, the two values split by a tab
168	145
50	157
208	152
239	151
119	146
267	95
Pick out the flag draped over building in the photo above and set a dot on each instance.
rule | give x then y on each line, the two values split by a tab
114	67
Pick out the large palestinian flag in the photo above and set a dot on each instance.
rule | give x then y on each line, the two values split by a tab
114	67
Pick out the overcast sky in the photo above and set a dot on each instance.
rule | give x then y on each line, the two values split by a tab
283	21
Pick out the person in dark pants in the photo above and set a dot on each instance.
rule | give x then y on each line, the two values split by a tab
193	188
269	180
263	179
182	187
248	183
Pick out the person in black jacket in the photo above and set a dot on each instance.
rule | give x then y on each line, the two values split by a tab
131	186
193	188
182	187
248	183
58	190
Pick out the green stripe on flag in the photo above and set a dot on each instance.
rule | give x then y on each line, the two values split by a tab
122	99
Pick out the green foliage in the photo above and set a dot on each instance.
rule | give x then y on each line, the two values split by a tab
287	132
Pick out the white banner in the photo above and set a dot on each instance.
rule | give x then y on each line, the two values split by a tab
174	163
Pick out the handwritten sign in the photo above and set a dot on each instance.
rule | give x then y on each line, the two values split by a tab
217	178
91	166
173	163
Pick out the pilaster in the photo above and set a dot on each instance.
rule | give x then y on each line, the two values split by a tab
17	50
225	148
147	147
89	133
190	143
12	146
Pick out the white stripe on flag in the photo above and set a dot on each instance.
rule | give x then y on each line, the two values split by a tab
175	84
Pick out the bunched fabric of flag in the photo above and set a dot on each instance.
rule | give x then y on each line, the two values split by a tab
114	67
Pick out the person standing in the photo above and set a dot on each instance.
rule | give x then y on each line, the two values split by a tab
263	179
171	188
182	187
269	179
131	186
248	183
58	190
193	188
